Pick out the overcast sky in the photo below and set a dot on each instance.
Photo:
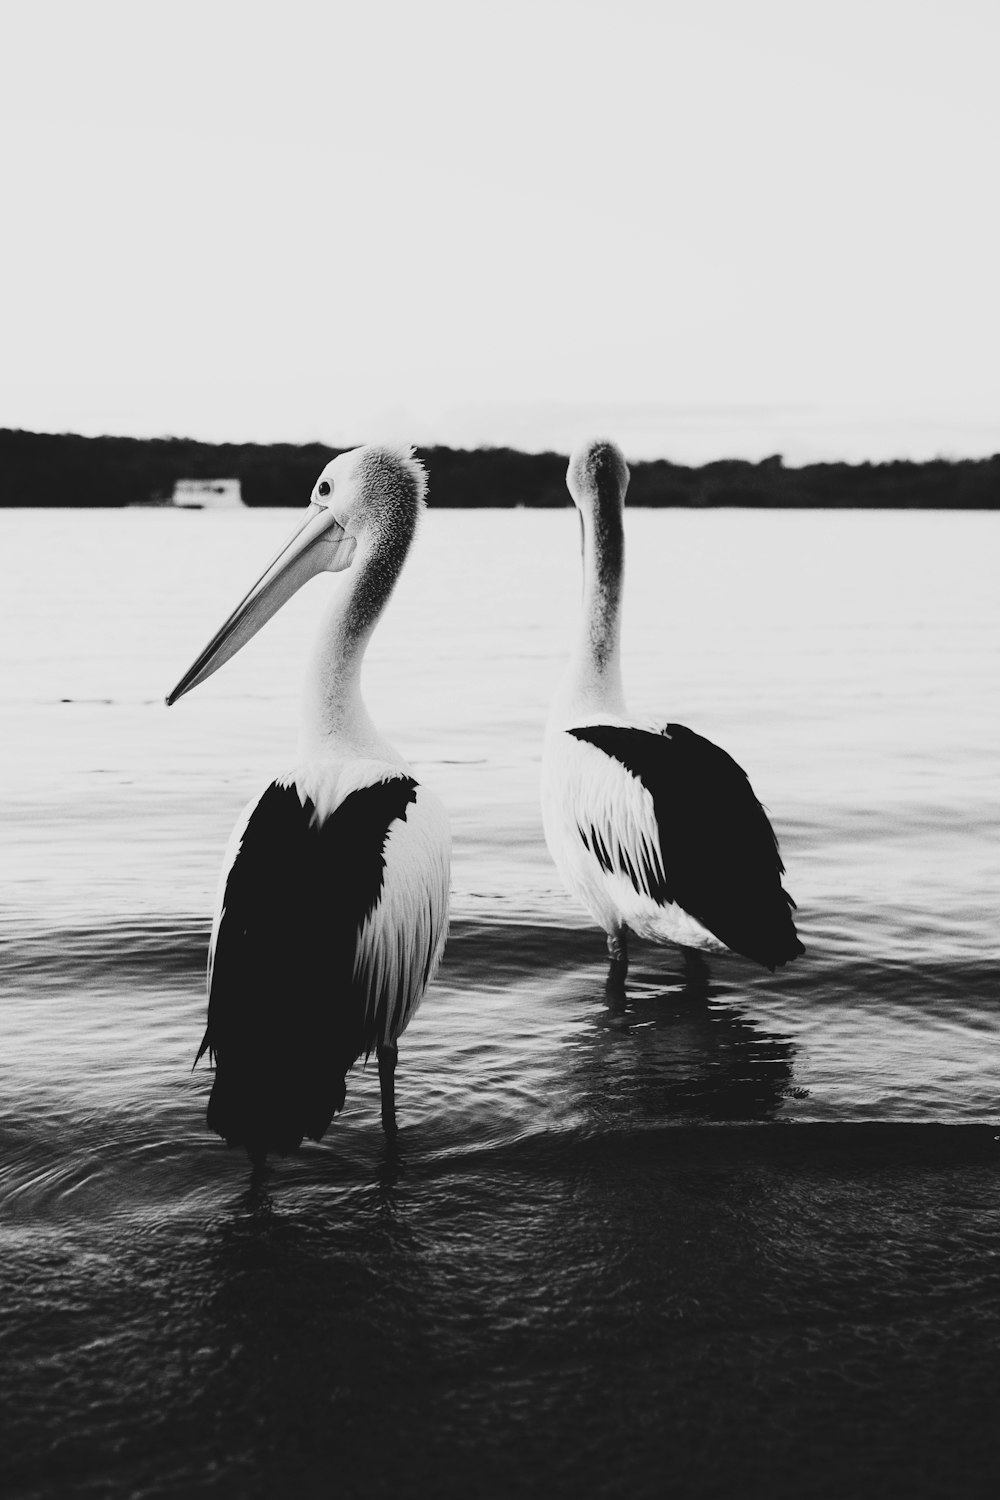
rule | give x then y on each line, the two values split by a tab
723	227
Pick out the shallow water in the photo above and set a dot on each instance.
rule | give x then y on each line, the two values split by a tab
585	1223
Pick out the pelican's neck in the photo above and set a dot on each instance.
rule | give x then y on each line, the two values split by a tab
593	681
334	717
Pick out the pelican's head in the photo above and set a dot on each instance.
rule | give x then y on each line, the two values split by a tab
376	494
367	499
598	476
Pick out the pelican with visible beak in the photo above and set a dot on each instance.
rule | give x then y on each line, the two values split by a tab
333	904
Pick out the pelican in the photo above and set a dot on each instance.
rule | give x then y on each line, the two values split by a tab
333	903
653	829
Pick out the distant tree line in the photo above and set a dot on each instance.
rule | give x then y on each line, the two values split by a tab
43	469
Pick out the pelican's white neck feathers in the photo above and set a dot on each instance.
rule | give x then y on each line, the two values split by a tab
597	478
377	495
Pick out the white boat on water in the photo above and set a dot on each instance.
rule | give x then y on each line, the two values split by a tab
207	494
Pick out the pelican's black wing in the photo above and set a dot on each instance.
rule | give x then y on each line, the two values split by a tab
719	853
285	1016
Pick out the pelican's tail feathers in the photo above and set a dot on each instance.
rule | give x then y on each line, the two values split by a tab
756	922
268	1103
773	942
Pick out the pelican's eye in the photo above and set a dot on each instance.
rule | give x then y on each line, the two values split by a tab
323	488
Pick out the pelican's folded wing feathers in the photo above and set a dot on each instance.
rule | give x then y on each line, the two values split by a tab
716	853
291	1003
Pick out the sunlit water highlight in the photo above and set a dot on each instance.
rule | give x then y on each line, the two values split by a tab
849	661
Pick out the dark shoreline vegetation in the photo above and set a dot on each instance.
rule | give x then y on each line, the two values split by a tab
45	469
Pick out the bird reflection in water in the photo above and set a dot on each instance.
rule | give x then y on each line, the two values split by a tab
684	1051
257	1202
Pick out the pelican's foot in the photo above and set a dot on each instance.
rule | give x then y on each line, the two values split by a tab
696	970
615	1018
391	1165
258	1199
614	984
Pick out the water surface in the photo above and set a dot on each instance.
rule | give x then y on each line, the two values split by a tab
596	1240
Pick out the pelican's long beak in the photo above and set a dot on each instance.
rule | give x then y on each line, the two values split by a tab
320	544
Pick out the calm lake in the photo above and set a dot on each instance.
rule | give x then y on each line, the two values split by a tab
596	1248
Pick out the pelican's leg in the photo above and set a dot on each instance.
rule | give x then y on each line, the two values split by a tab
387	1053
618	947
618	962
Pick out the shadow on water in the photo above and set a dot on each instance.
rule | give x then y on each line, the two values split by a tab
325	1315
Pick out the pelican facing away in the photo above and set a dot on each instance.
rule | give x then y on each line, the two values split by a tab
333	904
657	830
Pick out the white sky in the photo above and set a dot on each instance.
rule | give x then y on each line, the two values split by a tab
704	227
